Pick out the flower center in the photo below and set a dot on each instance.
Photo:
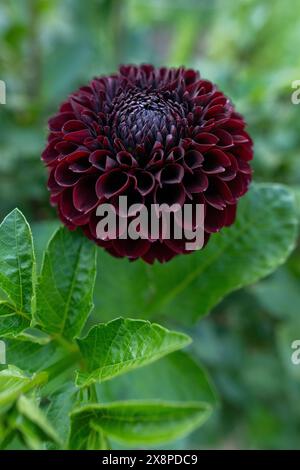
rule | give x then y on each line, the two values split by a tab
138	115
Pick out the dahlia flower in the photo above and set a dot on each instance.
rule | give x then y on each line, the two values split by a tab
155	135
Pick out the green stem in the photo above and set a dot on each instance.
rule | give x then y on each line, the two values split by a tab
97	440
68	345
60	366
92	393
104	443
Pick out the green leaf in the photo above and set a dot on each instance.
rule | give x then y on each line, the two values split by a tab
17	273
34	423
176	377
297	197
6	433
279	294
34	335
65	287
11	322
121	345
136	422
32	357
13	383
261	239
61	404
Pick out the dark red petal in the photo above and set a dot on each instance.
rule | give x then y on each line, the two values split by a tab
102	159
193	159
205	141
215	161
214	219
230	171
215	200
170	174
54	199
195	182
219	98
241	138
213	111
74	156
170	194
239	185
68	210
64	176
65	148
134	202
53	186
176	154
131	248
126	159
190	76
233	125
112	184
84	194
220	187
242	151
65	107
225	139
70	225
198	205
82	165
158	251
73	126
77	136
110	249
144	182
178	246
157	158
92	227
49	155
244	167
230	214
57	122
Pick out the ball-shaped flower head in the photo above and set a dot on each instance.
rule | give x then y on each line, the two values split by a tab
155	135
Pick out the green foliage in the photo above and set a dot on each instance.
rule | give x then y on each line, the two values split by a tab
49	359
49	354
33	424
13	383
11	323
178	377
17	271
260	240
121	345
65	286
48	48
136	423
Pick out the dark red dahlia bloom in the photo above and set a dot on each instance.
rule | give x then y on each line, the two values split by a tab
155	135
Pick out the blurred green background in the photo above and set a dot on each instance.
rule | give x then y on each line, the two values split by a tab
250	49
